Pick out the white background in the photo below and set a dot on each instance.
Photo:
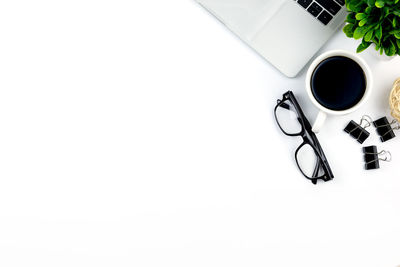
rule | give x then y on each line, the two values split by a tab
140	133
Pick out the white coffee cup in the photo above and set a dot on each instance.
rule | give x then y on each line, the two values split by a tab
324	111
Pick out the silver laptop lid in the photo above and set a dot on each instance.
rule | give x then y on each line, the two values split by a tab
244	17
285	32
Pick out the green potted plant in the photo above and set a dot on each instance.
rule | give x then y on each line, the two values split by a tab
374	22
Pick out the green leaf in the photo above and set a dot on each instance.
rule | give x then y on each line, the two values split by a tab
371	3
351	18
359	32
378	33
354	6
386	49
362	22
360	16
380	3
369	35
392	48
362	47
348	30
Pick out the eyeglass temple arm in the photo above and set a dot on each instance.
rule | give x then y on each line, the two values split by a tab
322	157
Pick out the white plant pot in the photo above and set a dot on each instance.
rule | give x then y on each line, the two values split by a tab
378	55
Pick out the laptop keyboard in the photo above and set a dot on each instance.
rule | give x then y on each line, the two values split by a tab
323	10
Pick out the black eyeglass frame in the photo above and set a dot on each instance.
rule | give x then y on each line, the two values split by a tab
309	138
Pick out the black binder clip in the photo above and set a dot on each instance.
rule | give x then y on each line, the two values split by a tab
357	131
372	157
384	128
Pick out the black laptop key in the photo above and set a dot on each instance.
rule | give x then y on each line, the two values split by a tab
330	5
341	2
314	9
325	17
304	3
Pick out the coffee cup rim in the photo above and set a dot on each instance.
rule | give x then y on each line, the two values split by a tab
361	62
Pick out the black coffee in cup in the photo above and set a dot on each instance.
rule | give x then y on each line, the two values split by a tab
338	83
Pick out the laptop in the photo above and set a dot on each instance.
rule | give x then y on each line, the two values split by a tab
287	33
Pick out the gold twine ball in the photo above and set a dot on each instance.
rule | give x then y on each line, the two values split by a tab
394	100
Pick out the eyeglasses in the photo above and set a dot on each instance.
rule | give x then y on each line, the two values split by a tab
309	156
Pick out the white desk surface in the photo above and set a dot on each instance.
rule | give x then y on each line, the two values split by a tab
141	134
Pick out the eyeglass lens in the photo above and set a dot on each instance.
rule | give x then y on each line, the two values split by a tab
287	118
308	161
